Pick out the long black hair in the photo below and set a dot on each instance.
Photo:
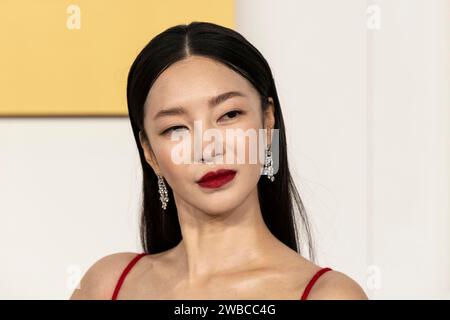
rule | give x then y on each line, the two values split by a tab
160	229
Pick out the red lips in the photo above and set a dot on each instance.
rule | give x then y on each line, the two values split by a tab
217	179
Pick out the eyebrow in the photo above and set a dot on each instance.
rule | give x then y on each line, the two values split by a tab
212	102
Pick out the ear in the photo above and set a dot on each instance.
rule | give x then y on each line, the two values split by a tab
148	152
269	119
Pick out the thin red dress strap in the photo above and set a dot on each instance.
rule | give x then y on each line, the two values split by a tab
124	274
312	281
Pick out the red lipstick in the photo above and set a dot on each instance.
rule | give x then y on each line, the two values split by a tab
216	179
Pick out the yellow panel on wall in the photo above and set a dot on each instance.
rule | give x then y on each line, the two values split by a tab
71	58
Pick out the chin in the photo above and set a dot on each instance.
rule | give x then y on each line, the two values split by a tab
221	202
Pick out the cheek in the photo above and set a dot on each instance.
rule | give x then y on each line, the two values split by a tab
163	150
251	146
179	176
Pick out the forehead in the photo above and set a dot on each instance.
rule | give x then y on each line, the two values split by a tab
193	80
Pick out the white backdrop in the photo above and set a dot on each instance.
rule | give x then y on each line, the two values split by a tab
364	88
365	92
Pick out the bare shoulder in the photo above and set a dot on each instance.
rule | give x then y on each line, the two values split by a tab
100	279
335	285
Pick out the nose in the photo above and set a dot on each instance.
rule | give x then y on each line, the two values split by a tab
212	157
208	143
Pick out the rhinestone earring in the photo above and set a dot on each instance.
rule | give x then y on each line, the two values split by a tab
268	165
163	195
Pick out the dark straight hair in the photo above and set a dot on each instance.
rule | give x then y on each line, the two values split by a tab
160	229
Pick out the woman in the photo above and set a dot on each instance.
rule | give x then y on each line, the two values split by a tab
212	229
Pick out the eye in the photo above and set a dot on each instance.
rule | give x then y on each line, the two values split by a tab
174	128
232	114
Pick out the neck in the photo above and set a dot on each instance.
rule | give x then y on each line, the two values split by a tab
227	242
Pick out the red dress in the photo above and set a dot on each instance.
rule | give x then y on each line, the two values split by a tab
140	255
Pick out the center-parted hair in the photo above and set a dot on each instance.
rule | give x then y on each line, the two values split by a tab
280	202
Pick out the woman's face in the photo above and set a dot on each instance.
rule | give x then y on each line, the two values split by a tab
188	86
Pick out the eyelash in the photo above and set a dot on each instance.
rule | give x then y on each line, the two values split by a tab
168	130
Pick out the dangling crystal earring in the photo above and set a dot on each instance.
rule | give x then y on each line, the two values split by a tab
268	165
163	196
